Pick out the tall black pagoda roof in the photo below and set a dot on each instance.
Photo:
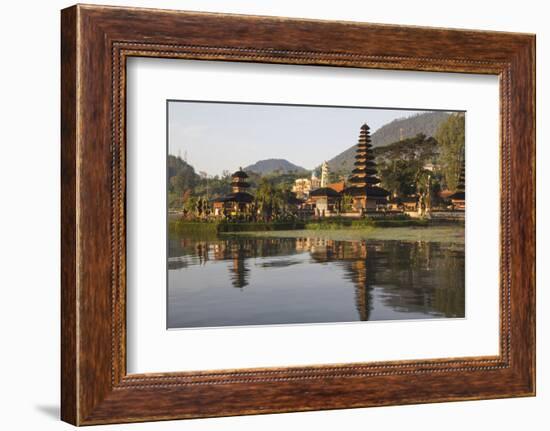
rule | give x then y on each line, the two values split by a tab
363	178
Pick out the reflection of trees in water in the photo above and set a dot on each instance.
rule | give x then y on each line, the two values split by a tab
221	248
426	277
421	276
449	271
413	276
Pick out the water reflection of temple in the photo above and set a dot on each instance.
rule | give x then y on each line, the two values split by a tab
416	277
185	252
353	257
358	273
238	270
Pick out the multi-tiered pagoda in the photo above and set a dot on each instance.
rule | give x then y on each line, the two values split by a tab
239	200
458	198
367	196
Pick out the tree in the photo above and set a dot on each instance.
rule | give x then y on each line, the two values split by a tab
346	203
423	183
400	162
269	199
190	205
398	177
451	137
181	175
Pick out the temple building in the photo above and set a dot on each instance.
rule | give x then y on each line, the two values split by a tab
338	186
363	189
458	198
324	201
303	186
239	201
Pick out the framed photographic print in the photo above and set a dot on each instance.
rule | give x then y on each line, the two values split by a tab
268	215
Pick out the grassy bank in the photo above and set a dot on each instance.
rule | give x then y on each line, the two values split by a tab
347	223
331	228
213	227
445	234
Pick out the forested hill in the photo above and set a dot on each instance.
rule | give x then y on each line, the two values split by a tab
269	166
181	175
426	124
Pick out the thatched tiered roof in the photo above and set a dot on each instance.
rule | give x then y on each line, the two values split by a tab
238	187
324	191
363	179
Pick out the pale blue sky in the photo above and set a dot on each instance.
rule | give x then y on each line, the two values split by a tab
221	136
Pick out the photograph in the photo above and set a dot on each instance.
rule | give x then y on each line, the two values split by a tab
252	216
282	214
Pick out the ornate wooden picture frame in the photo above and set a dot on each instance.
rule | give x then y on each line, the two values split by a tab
96	41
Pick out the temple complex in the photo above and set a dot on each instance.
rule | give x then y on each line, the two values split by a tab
358	196
367	196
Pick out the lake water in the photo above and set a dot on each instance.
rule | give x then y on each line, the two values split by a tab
232	280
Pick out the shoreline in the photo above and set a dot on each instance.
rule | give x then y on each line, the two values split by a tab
444	234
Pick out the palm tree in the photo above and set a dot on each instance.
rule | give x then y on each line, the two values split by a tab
270	200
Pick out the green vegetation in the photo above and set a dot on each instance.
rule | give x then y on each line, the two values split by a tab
191	191
402	163
347	223
452	233
259	226
190	228
194	228
272	199
450	136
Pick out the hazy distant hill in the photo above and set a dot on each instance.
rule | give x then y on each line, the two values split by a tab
185	173
426	123
269	166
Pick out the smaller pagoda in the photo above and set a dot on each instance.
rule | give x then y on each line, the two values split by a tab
458	198
239	200
363	187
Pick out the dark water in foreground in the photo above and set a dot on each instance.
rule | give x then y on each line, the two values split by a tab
254	281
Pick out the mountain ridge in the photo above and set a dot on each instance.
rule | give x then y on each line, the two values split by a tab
268	166
402	128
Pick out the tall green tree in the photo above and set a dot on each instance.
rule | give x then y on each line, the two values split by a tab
451	138
270	199
400	162
398	176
